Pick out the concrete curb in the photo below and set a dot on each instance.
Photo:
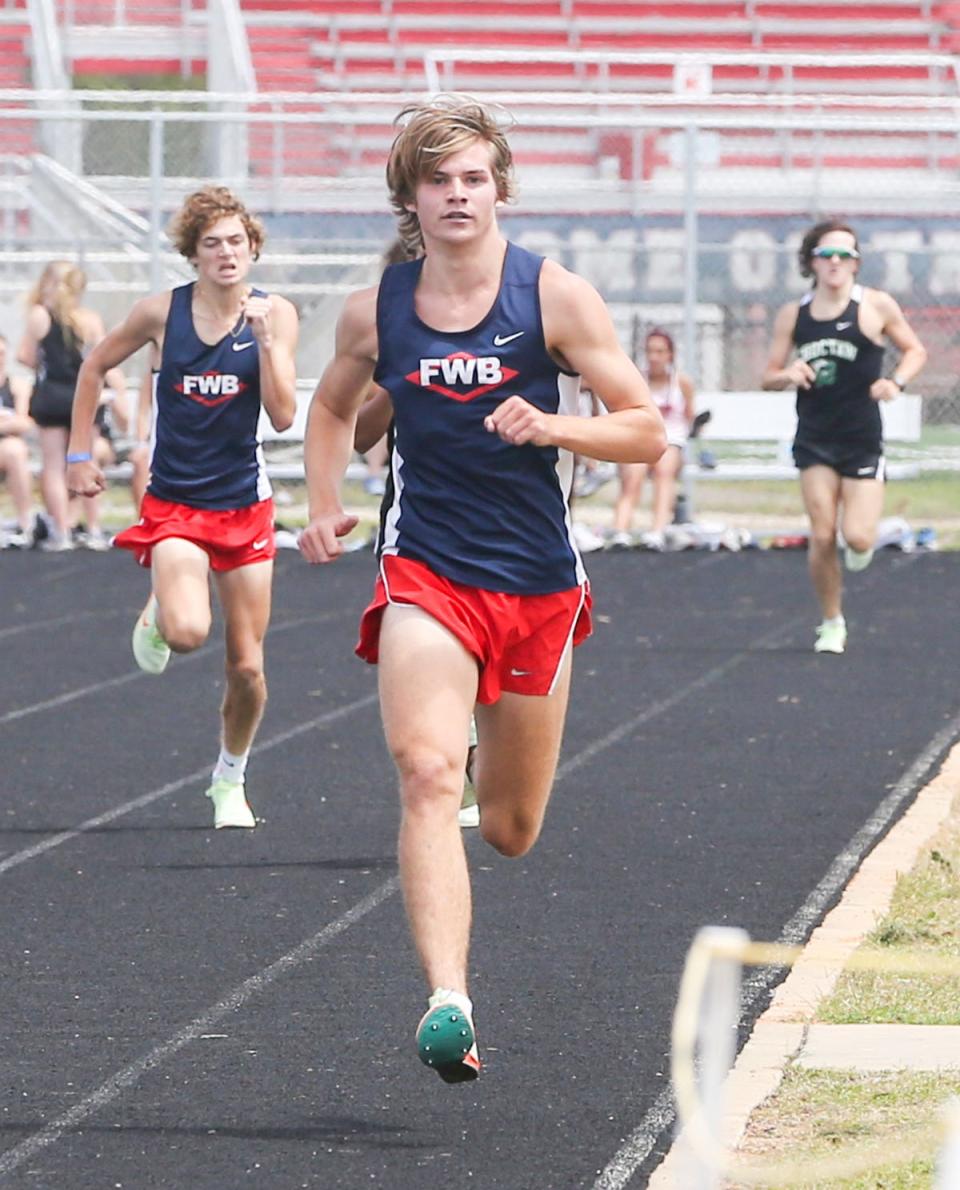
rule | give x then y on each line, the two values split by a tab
779	1034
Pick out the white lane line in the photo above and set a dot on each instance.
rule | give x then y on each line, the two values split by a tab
130	1075
665	704
135	674
640	1143
56	622
21	857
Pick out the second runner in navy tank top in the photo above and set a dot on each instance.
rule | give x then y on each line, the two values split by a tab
472	507
206	450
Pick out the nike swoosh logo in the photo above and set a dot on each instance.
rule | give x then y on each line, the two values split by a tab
842	326
259	545
503	340
243	346
520	673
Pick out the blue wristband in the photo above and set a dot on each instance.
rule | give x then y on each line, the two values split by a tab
80	456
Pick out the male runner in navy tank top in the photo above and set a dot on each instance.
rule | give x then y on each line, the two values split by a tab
225	350
481	593
836	332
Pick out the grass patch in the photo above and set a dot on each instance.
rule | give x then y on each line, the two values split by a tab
818	1114
924	917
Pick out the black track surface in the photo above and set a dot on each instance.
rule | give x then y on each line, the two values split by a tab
714	769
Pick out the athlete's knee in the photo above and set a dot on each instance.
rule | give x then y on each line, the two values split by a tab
428	780
184	633
246	673
858	539
512	833
823	537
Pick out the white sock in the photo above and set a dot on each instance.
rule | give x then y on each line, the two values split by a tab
445	996
230	767
835	622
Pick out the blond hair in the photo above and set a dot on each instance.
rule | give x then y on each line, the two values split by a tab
430	132
59	289
202	209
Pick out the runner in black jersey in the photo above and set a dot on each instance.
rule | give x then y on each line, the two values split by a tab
835	334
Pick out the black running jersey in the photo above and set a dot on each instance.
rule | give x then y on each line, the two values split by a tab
59	356
837	407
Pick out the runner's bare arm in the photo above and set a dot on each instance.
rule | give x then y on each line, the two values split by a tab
373	418
328	443
777	374
144	324
276	327
579	332
902	335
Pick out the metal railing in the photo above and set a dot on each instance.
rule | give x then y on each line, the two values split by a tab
678	212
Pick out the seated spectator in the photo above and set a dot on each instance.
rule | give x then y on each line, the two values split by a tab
59	332
14	455
673	394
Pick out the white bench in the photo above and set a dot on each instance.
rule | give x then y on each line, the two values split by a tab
763	417
770	417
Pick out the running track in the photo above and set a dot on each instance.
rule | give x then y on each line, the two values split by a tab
185	1008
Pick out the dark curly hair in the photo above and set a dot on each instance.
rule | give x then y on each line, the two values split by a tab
202	209
813	238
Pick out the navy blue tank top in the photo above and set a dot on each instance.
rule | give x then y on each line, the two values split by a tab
206	446
470	506
838	408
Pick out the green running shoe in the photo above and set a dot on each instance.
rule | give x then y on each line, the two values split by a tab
150	650
230	806
855	560
831	638
446	1040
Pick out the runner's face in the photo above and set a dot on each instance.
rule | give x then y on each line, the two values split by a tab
457	201
833	272
223	252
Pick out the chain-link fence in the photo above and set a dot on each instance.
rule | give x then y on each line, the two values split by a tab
688	217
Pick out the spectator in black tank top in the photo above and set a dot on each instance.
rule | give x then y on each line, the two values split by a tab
58	333
835	335
14	456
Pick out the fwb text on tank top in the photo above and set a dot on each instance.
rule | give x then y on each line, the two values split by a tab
469	505
206	450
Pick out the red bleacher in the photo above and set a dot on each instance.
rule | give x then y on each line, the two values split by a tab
16	136
350	45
